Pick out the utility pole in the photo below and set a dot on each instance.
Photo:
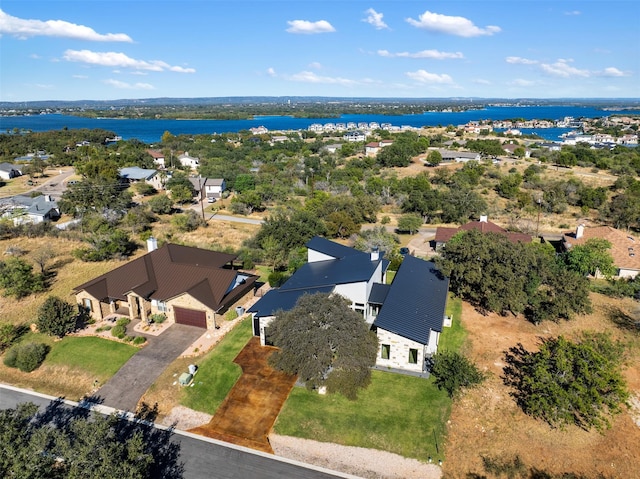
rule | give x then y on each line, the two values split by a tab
201	191
538	222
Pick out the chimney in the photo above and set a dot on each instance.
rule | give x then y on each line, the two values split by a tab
375	254
483	218
152	244
579	231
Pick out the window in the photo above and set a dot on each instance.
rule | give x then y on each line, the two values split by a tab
386	351
86	302
162	306
413	356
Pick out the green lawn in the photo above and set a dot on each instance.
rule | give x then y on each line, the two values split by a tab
217	373
396	413
99	357
453	338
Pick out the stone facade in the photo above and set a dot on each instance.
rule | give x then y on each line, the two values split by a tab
399	354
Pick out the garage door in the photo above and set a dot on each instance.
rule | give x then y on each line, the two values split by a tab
190	317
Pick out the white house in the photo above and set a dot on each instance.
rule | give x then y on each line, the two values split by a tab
407	315
134	174
9	171
189	161
158	157
210	187
25	209
354	136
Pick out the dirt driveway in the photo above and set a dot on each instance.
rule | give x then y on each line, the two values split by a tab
126	387
249	411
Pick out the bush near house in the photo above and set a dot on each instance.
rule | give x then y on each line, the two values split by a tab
26	357
56	317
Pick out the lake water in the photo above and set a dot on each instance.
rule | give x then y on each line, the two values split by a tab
150	131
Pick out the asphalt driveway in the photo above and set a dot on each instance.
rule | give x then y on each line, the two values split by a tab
126	387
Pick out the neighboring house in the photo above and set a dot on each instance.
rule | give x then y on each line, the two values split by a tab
25	209
189	161
407	315
134	174
444	234
332	148
372	148
354	136
510	148
209	187
459	156
189	285
623	247
9	171
158	157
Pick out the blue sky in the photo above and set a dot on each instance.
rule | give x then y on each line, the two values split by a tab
97	50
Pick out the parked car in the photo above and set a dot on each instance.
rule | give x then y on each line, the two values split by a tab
211	199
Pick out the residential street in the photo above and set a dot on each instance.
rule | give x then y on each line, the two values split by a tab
204	458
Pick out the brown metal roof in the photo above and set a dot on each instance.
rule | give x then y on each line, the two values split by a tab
171	271
444	234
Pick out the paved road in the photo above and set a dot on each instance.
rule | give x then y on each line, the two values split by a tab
236	219
126	387
205	458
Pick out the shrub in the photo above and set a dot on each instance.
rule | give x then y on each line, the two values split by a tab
139	340
158	318
122	321
8	335
26	357
56	317
129	339
231	315
119	331
277	278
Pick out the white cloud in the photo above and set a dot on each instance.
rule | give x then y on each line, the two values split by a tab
23	29
573	13
561	68
271	72
612	72
311	77
115	59
315	65
374	19
306	27
129	86
432	54
460	26
44	86
80	77
481	81
520	61
521	82
424	76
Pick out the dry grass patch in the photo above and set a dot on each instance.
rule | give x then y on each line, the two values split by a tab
487	422
58	380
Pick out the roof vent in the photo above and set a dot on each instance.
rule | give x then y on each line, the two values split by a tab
375	254
579	231
484	218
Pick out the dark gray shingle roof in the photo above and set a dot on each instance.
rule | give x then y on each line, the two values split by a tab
416	301
277	299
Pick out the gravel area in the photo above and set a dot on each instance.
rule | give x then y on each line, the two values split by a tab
184	418
366	463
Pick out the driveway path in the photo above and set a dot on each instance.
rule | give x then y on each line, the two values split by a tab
126	387
247	414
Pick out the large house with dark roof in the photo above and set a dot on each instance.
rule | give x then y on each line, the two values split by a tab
407	315
444	234
189	285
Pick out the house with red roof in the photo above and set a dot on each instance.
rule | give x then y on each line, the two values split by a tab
444	234
625	248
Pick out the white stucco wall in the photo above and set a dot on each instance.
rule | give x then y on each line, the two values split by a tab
313	256
627	273
399	352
